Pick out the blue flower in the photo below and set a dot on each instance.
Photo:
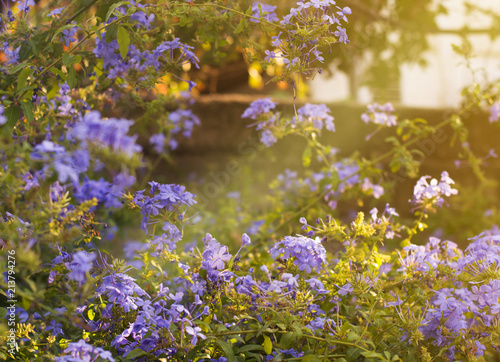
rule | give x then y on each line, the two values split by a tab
82	351
268	12
158	141
429	193
245	240
80	265
346	289
55	12
315	115
307	254
494	112
68	35
258	107
195	332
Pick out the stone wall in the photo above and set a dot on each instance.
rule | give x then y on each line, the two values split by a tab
225	142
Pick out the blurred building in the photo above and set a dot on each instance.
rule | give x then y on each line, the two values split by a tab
440	82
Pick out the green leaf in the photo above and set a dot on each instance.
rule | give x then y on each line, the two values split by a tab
123	41
227	348
71	77
251	347
58	72
287	339
352	353
373	354
131	10
352	336
268	345
23	77
53	92
298	331
27	107
306	156
12	114
111	33
183	20
240	26
18	67
67	59
113	7
136	353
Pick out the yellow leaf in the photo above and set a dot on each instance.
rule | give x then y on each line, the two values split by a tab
268	345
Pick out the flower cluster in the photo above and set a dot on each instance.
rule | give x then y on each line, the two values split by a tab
306	253
467	310
380	115
111	133
267	12
309	27
315	115
164	197
259	107
495	112
310	118
82	351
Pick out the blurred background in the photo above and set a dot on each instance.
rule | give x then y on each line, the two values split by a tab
418	55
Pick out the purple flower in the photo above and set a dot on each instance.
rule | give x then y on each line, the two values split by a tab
55	12
99	189
55	327
195	332
346	289
315	115
165	197
495	112
82	351
478	349
121	290
380	114
258	107
158	141
433	192
68	35
81	264
111	133
24	5
267	138
270	55
341	34
308	254
214	256
3	119
183	121
143	19
245	240
167	241
268	12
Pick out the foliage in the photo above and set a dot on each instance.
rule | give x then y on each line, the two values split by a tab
74	77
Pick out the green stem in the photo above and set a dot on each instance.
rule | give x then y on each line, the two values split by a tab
242	14
83	9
